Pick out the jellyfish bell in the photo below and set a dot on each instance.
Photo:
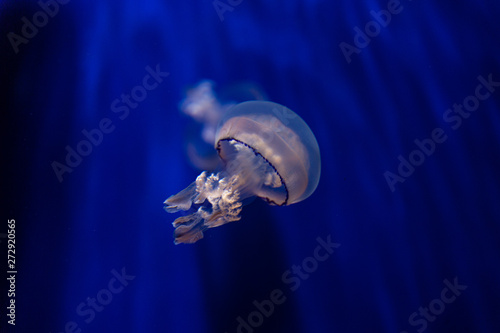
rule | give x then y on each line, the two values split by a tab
280	141
268	151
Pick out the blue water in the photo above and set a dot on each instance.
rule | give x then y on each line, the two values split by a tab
411	250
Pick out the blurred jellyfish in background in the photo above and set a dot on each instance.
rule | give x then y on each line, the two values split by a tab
206	105
267	151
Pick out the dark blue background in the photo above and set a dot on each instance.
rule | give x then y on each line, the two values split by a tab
397	247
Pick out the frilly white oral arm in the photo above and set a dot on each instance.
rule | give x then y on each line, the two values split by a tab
220	191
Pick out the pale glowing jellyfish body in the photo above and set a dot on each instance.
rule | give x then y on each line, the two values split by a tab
268	151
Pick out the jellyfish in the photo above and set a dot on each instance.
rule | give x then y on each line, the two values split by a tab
267	150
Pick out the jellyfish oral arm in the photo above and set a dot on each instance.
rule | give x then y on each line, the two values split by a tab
216	200
182	200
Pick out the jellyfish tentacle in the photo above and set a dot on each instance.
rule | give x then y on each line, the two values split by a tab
187	220
189	230
217	199
182	200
